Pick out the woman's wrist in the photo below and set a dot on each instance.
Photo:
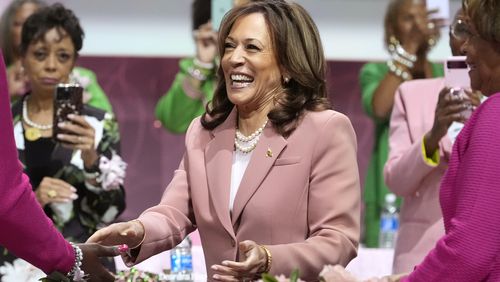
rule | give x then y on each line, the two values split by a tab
76	273
90	158
141	233
268	259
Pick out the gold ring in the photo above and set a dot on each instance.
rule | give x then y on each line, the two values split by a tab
52	194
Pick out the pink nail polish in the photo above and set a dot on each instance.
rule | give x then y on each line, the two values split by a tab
123	248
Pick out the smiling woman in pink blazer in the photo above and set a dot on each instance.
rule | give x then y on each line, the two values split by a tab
269	176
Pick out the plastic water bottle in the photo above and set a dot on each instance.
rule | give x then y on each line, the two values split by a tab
389	222
181	261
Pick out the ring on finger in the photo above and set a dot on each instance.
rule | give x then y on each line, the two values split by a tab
79	139
431	25
52	194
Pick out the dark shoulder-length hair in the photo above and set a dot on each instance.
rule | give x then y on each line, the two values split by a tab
47	18
9	50
299	53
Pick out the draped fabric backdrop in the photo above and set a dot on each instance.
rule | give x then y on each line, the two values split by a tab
134	85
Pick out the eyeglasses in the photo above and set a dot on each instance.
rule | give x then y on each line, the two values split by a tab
461	30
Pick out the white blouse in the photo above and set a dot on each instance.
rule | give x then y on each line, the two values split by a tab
240	163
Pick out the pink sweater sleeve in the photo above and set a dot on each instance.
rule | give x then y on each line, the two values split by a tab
470	198
26	231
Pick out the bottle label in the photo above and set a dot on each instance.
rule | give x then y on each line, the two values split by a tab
389	223
180	263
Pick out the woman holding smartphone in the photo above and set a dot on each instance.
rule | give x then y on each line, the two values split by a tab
409	36
77	178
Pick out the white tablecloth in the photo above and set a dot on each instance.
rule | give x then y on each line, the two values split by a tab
368	263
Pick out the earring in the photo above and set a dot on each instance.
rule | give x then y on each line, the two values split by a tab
286	79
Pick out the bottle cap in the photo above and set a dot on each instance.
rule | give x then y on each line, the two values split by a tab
390	198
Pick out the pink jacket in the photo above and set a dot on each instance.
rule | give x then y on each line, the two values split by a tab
25	229
470	202
410	177
299	196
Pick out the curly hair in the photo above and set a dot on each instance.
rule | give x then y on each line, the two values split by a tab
47	18
299	53
9	50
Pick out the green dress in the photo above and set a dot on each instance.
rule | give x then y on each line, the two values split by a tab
175	110
375	189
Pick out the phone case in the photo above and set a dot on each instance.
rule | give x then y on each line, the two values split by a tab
456	72
67	100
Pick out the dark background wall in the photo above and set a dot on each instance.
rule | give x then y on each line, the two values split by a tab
134	85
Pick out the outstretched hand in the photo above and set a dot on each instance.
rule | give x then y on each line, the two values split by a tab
91	264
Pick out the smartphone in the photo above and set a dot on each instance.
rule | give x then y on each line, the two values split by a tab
456	72
456	76
68	99
219	9
442	7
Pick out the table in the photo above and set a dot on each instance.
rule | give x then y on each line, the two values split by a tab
370	262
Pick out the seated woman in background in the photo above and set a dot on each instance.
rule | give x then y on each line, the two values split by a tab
78	179
408	40
419	149
11	24
269	176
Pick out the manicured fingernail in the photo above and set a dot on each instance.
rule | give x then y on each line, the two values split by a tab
60	136
225	263
123	248
61	124
73	189
73	196
124	233
71	116
216	276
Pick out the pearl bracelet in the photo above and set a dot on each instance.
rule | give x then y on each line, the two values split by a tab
398	71
76	273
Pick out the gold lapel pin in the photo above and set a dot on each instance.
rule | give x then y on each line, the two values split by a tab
269	153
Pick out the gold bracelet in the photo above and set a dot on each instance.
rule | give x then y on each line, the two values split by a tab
269	259
144	235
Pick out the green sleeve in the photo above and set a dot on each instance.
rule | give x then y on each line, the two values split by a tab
88	79
370	77
175	109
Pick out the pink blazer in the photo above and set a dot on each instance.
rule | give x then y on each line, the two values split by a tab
25	229
409	176
299	196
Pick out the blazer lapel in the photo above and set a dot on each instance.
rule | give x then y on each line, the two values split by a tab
218	164
268	149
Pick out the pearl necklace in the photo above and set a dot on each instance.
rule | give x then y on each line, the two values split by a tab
29	122
246	144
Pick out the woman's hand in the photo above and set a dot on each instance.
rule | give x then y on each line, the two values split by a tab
449	108
205	39
130	233
80	136
253	263
53	190
92	266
